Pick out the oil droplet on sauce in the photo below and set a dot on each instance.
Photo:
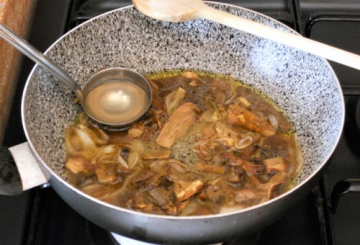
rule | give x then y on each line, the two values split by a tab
116	102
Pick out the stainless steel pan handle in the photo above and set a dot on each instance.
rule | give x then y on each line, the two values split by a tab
19	170
10	182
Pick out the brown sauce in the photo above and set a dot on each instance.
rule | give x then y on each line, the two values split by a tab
207	145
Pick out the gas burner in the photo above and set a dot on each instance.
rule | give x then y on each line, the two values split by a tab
121	240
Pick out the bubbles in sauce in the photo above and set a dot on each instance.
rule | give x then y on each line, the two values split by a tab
116	102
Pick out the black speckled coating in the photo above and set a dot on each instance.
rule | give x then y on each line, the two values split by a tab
304	86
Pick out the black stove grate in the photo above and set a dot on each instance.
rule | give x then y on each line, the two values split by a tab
282	10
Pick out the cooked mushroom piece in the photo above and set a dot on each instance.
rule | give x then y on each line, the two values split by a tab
242	117
144	175
152	155
275	182
214	193
216	169
158	196
186	189
275	164
253	169
137	130
244	195
106	173
79	164
178	125
141	203
176	170
208	132
235	175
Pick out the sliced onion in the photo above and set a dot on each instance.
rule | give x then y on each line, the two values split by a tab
122	161
105	155
190	209
244	142
230	209
200	142
273	121
85	137
211	115
199	145
231	99
137	145
173	99
179	166
226	140
79	143
133	159
108	149
215	181
96	190
204	150
97	136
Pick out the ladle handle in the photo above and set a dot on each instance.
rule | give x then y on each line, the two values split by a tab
295	41
34	54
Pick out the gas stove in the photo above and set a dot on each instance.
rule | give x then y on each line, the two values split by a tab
39	216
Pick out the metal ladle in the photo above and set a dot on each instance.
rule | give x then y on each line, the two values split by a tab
115	97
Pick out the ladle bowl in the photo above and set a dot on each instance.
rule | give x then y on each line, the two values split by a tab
114	98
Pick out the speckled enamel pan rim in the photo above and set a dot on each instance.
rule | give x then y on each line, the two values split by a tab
166	216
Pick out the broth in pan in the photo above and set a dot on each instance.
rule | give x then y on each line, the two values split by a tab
207	145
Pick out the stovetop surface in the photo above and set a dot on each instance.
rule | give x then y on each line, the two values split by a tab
39	216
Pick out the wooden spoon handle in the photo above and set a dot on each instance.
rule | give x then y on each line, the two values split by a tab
292	40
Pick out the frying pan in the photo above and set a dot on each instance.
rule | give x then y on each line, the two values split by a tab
303	85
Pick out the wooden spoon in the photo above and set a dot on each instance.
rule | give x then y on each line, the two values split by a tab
185	10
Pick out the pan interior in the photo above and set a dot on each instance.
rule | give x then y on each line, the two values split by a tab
304	86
